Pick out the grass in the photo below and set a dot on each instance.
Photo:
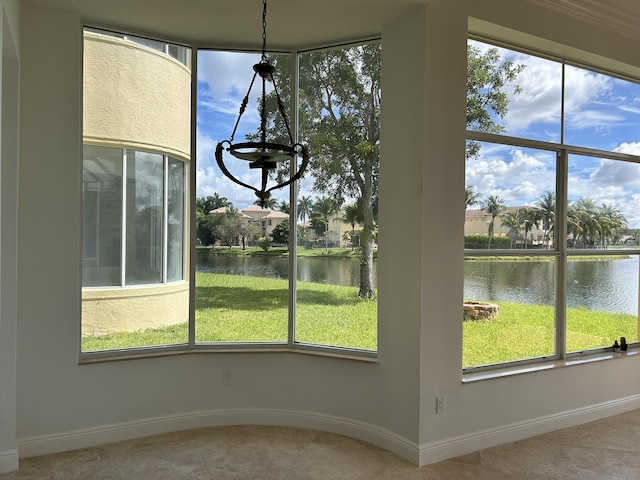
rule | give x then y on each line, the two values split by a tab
527	331
232	308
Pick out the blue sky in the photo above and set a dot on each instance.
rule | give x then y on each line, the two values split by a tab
601	112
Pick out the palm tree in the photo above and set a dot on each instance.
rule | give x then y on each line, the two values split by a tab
494	206
323	209
283	206
471	197
305	205
546	205
513	221
530	218
352	214
269	204
612	222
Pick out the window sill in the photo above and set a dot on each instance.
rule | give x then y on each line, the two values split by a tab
88	358
549	365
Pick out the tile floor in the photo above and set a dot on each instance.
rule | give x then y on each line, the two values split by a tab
604	450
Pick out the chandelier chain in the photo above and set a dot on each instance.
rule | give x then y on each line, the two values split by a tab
264	30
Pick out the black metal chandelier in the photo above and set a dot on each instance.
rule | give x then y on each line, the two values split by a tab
263	155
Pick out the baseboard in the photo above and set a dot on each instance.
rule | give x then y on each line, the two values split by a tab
462	445
421	455
8	461
46	444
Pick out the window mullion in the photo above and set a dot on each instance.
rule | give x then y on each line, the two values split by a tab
561	265
165	218
293	208
123	248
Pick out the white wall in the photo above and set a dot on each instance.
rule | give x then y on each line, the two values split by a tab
9	86
63	405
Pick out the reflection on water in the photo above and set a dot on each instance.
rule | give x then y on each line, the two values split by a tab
333	271
607	285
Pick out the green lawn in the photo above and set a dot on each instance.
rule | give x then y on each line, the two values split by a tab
232	308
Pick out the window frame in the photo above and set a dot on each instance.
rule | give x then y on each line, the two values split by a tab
560	253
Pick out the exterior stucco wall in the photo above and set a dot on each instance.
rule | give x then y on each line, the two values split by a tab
135	97
133	309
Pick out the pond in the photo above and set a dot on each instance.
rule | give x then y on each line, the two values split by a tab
332	271
610	285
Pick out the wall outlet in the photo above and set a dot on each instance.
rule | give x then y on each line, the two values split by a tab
227	377
440	405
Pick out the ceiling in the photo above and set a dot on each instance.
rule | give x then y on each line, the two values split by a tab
237	23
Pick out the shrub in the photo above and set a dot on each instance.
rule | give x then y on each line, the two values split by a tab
264	243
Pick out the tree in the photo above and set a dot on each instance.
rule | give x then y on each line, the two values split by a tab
340	94
305	205
339	108
471	197
270	203
280	233
494	206
530	219
487	77
283	206
546	205
323	209
212	202
352	214
513	221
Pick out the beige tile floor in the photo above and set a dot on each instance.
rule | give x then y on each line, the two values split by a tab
603	450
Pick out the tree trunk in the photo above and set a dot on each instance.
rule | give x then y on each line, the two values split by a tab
366	242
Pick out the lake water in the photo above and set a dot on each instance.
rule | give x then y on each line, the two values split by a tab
332	271
531	282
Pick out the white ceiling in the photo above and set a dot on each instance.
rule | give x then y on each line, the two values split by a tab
300	22
239	22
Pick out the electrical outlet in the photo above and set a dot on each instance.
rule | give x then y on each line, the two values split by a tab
440	405
227	377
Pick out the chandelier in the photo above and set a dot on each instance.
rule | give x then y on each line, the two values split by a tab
263	155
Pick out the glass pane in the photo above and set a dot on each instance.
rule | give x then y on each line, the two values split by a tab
602	301
134	231
510	198
508	309
603	204
601	111
242	285
102	217
603	214
145	205
512	93
176	222
339	91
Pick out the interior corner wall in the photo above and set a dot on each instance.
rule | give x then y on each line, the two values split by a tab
9	86
64	405
490	412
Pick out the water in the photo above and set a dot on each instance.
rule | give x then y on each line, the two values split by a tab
607	285
332	271
610	285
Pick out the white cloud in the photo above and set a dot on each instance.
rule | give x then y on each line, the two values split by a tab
226	73
516	176
632	148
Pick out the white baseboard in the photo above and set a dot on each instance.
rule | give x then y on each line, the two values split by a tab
72	440
8	461
465	444
420	455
